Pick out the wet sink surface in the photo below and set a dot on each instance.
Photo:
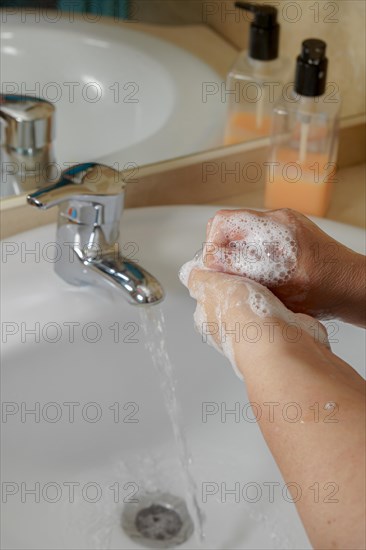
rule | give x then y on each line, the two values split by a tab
99	434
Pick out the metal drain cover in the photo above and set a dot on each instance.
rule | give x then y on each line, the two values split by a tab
157	521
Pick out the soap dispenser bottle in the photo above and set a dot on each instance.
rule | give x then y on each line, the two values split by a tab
256	79
305	138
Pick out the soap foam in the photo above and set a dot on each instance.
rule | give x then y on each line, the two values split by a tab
186	269
265	304
252	246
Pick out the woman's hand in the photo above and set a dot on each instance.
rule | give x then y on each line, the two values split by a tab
304	267
242	318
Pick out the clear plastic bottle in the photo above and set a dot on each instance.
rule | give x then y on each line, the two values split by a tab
304	148
255	82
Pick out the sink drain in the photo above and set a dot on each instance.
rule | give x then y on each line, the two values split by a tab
157	521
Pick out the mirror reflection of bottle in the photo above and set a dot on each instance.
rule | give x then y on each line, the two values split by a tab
305	138
256	79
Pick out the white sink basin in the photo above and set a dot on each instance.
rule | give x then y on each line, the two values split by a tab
108	452
121	96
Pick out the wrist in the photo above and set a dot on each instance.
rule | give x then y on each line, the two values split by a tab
272	342
332	281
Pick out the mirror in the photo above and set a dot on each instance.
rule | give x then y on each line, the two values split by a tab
139	82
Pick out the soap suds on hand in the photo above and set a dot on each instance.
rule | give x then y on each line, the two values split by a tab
186	269
252	246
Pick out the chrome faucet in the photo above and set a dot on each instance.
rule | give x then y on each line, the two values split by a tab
27	155
90	197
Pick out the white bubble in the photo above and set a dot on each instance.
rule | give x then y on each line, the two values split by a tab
261	252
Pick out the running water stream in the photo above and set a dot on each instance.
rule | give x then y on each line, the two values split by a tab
153	325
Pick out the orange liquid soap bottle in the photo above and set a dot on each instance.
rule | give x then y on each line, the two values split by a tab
302	163
256	79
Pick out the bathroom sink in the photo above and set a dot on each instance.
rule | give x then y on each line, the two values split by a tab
121	96
100	434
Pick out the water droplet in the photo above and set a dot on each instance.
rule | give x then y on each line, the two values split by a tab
330	405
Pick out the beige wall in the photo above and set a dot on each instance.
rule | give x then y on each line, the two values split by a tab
167	12
341	23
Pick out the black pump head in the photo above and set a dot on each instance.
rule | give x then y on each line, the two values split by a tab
313	50
264	31
264	15
311	68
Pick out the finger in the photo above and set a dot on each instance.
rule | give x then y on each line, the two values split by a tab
216	248
213	285
200	279
230	225
221	233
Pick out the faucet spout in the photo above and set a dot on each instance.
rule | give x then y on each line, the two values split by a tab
137	284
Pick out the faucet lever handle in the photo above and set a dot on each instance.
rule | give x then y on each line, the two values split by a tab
82	182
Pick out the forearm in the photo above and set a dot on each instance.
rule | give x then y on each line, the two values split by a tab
316	423
317	445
